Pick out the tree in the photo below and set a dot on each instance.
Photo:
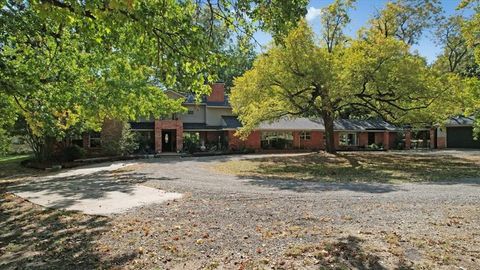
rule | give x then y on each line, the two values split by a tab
406	20
67	65
239	58
305	78
471	33
457	56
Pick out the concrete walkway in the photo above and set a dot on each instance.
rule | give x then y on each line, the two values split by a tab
95	190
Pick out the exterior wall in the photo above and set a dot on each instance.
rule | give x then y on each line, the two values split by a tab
432	138
198	115
315	142
86	140
408	139
176	125
253	141
218	93
362	139
441	138
111	130
214	115
379	138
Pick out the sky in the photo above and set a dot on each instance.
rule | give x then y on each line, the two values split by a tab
361	14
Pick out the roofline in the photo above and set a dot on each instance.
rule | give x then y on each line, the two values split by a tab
175	92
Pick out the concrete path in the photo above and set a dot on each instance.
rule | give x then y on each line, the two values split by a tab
96	190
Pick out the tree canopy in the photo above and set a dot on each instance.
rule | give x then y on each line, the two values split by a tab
67	65
375	73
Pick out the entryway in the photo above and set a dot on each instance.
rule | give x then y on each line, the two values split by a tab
169	143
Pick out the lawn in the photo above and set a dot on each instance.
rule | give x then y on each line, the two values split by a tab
357	167
11	170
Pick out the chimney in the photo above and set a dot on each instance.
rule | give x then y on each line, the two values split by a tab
218	93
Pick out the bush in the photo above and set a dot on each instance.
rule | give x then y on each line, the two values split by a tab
125	143
73	152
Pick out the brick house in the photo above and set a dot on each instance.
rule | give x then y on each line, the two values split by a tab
213	124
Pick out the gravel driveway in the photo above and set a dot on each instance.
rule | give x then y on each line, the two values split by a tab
240	223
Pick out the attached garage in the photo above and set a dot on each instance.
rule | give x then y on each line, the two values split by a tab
461	137
460	133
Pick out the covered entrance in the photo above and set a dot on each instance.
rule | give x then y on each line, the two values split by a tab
169	143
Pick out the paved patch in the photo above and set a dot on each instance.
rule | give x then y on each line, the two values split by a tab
95	190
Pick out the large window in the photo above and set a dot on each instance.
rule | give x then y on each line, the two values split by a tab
348	139
277	140
305	135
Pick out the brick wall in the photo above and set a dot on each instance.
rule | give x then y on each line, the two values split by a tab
363	139
253	141
218	93
315	142
111	131
161	125
408	139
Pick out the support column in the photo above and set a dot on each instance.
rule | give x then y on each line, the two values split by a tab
408	139
432	138
158	136
386	140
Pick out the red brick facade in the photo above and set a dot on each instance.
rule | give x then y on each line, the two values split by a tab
218	93
168	125
253	141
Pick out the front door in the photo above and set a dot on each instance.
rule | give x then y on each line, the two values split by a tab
168	141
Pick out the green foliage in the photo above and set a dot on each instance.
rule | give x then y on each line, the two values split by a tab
73	152
406	20
124	143
191	142
68	65
304	78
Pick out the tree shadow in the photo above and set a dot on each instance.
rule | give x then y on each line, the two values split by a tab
34	238
344	253
310	186
66	191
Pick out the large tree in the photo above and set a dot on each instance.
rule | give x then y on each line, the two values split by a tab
304	77
67	65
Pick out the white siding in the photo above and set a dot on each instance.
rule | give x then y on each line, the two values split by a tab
198	115
214	115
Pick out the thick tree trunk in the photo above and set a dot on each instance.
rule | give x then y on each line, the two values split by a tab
329	133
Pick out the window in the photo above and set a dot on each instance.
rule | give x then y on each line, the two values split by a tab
190	111
77	140
95	139
305	135
348	139
277	140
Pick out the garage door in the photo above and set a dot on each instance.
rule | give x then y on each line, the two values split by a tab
461	137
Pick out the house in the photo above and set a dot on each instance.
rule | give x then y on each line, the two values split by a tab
211	123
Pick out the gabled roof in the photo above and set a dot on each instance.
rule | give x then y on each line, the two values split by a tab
460	121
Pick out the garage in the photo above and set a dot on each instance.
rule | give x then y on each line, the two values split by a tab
461	137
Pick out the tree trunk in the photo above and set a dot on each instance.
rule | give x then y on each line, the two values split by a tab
329	133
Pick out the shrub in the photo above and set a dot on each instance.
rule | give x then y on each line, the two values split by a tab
124	143
73	152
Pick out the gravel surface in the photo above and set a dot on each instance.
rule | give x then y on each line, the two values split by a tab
227	222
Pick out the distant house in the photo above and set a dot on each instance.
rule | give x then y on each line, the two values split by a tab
212	123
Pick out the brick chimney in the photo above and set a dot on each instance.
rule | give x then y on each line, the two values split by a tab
218	93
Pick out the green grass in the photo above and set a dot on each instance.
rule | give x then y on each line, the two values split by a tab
10	166
12	158
357	167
